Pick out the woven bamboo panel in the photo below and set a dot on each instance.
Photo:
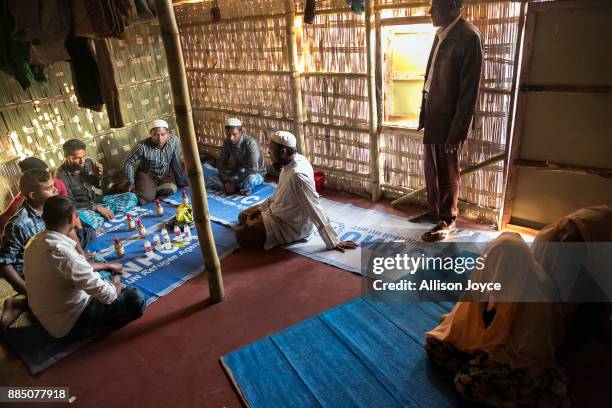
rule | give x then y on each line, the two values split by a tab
197	13
254	44
336	100
36	122
266	95
341	153
335	43
323	5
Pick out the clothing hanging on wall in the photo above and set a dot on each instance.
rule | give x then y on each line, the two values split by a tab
310	11
146	10
85	73
356	5
44	24
102	18
108	83
15	54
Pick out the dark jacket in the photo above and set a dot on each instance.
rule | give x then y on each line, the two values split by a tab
80	185
448	109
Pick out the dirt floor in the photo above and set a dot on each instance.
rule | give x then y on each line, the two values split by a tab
170	357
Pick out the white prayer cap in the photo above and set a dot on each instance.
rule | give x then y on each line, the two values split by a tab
233	122
158	123
284	138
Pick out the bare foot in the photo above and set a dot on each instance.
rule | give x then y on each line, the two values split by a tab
13	308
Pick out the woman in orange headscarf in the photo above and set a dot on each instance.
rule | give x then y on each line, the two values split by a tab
501	345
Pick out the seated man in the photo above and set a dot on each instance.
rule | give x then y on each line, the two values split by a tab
241	164
81	175
36	185
29	163
159	171
67	296
289	214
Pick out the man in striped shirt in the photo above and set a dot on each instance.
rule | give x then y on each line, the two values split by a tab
159	171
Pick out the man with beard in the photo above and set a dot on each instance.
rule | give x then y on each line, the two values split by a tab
447	110
159	172
241	165
293	210
82	177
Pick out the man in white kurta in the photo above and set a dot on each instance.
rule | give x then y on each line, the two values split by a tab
294	210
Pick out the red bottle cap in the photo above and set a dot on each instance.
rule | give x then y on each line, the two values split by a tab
117	240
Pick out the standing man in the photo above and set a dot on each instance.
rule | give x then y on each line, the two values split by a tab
81	177
292	212
241	164
159	172
447	110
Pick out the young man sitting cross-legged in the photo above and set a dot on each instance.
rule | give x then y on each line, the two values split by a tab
65	293
36	185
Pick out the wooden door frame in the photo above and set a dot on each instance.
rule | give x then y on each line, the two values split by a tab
522	89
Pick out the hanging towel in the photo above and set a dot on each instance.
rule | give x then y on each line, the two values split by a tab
85	73
110	92
309	11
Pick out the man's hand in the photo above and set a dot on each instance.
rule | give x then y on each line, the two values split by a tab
105	212
126	186
229	187
117	283
114	268
450	148
98	169
247	214
344	245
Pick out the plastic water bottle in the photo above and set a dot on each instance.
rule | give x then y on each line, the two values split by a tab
148	248
187	233
130	222
142	231
177	233
156	241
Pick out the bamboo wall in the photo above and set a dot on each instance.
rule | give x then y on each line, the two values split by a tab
36	122
240	67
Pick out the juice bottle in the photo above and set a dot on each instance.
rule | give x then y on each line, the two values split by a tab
158	208
142	231
119	248
130	222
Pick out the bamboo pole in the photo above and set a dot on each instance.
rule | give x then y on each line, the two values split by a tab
512	110
468	170
295	77
184	121
371	68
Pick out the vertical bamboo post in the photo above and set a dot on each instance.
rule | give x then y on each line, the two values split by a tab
371	68
184	121
295	76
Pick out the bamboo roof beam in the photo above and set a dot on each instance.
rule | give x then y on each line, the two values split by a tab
184	120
